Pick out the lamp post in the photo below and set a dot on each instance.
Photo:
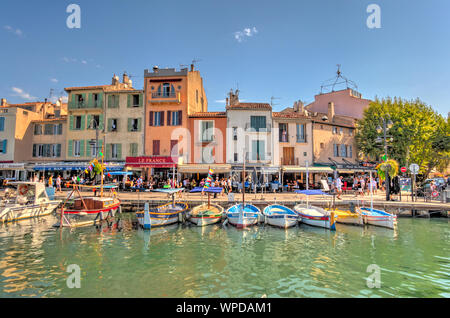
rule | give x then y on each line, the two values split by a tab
387	124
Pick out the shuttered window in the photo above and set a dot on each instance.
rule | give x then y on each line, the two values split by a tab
258	122
2	123
156	145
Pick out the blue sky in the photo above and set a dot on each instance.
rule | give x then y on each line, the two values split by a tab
290	49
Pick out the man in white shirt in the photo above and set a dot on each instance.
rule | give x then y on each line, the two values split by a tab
339	187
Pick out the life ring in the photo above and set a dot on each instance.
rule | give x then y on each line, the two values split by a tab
23	189
435	194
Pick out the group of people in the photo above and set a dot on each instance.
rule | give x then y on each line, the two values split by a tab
361	185
49	182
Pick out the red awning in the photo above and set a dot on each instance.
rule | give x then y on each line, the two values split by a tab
150	162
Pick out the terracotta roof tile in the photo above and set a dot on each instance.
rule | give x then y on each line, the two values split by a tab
250	106
209	114
288	115
102	87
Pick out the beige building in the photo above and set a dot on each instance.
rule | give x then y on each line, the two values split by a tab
99	117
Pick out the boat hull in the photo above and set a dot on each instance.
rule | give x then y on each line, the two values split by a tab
163	215
17	213
347	217
78	218
315	217
249	217
379	218
202	215
280	216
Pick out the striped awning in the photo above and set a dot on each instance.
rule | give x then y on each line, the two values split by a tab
310	169
203	168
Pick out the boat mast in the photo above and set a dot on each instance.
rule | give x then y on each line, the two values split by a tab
243	184
307	184
101	189
371	193
209	194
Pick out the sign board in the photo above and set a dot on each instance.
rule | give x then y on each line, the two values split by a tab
414	168
403	169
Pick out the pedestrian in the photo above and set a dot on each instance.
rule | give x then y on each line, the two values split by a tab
58	184
50	181
355	186
339	187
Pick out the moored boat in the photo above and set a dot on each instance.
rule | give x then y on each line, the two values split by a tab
165	214
378	218
241	215
313	215
348	216
27	200
280	216
206	213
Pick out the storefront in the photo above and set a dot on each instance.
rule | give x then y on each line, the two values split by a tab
12	171
316	173
200	170
68	169
260	173
156	167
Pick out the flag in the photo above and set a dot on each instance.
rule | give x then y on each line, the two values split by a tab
209	179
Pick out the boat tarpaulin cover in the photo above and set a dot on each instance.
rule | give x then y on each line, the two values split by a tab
311	192
168	190
210	189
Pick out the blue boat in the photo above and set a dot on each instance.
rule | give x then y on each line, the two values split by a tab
378	218
280	216
243	216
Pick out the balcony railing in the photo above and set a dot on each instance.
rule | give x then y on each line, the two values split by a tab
84	104
164	95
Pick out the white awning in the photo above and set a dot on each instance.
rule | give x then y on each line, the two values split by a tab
310	169
203	168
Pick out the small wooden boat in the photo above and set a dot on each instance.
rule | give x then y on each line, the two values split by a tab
279	215
313	215
241	215
206	213
348	217
84	211
27	200
378	218
165	214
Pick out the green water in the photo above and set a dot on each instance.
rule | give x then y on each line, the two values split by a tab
186	261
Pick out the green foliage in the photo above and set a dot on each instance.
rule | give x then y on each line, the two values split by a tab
420	135
390	165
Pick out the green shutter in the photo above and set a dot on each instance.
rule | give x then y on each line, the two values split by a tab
72	104
82	148
101	120
88	149
83	122
108	151
110	105
100	100
140	100
89	121
129	123
116	101
139	124
90	100
70	149
129	100
109	123
119	151
84	100
71	122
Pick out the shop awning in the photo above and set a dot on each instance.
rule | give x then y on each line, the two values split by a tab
203	168
12	166
310	169
261	169
150	162
74	166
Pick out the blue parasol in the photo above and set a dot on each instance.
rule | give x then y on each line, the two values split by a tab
210	189
311	192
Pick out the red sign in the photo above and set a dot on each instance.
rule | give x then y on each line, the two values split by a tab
150	162
403	169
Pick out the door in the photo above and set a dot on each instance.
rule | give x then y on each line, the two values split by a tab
288	156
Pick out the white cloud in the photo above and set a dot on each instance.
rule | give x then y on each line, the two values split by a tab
220	101
20	92
54	80
247	32
54	99
83	62
17	32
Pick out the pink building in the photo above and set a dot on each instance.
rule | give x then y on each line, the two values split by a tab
347	102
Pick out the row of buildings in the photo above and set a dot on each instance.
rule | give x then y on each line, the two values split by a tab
166	128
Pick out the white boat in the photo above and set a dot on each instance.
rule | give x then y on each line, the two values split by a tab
280	216
27	200
378	218
243	216
316	216
206	213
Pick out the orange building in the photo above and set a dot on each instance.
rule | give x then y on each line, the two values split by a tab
170	97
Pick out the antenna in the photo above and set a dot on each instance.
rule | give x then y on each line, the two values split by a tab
272	99
339	79
194	61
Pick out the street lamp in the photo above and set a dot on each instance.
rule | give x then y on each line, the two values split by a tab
387	124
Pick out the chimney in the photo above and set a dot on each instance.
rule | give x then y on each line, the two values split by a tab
4	102
192	67
125	78
115	80
234	97
226	104
301	107
155	69
331	111
295	106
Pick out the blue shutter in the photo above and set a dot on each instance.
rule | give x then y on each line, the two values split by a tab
2	123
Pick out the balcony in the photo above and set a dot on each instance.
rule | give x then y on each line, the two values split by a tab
85	104
164	95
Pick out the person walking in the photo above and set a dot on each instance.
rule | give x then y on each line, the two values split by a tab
339	187
58	184
355	186
50	181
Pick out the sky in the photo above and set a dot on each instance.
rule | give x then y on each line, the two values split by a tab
280	49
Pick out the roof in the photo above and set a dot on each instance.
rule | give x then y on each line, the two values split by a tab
250	106
339	120
209	114
288	115
102	87
62	118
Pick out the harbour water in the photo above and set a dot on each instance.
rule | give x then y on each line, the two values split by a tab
119	260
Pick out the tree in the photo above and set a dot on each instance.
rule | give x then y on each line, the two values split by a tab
419	134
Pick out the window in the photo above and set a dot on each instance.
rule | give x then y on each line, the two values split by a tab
284	137
2	123
322	145
57	129
113	124
80	100
258	122
156	144
336	150
174	118
166	89
114	151
334	130
258	150
305	154
95	122
234	133
156	119
76	148
113	101
3	144
206	131
301	136
343	150
77	122
349	151
350	131
96	100
134	124
136	100
235	157
37	129
174	148
48	129
341	131
133	149
93	148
